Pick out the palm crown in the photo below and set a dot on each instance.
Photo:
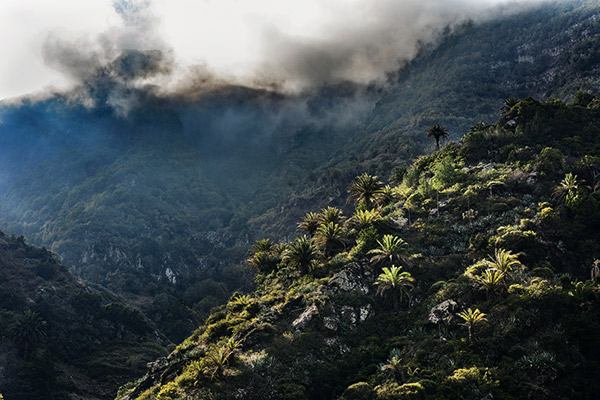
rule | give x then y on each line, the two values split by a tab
437	132
366	189
390	249
396	282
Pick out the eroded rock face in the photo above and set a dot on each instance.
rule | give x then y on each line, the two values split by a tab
442	311
350	279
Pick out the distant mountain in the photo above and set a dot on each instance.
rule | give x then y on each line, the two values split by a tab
59	337
165	198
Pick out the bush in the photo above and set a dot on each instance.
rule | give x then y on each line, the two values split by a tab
358	391
394	391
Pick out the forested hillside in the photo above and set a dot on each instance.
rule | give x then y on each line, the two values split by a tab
160	203
475	275
61	338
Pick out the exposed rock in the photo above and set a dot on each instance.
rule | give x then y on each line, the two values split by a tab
347	280
330	323
157	365
399	221
349	314
365	312
442	311
306	317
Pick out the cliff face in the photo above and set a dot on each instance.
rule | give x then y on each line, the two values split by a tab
60	337
496	238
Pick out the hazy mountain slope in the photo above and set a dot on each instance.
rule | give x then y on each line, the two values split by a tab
505	224
59	336
547	51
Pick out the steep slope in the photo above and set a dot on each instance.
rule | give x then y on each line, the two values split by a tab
496	238
165	199
61	338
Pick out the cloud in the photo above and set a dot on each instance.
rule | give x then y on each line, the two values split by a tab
286	45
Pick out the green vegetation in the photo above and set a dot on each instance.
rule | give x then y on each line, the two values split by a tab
60	337
488	248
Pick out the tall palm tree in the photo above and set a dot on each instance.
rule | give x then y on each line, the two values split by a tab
472	318
397	283
301	253
365	189
437	132
566	187
390	249
310	223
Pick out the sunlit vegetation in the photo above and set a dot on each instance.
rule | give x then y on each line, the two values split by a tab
474	280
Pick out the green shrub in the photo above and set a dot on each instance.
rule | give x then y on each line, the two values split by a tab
358	391
394	391
168	391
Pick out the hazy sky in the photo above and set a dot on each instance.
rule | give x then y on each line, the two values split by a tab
295	42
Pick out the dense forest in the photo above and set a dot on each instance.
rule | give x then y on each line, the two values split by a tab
475	274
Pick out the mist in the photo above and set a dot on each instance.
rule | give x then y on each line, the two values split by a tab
284	46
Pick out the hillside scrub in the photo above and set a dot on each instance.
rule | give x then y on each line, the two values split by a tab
502	302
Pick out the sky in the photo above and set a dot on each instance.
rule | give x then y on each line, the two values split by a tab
293	44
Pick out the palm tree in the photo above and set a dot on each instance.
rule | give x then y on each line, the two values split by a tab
331	214
508	105
263	256
28	331
390	249
437	132
492	279
328	236
387	196
566	187
365	189
310	223
472	318
364	218
502	260
220	354
301	253
262	245
395	365
395	282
